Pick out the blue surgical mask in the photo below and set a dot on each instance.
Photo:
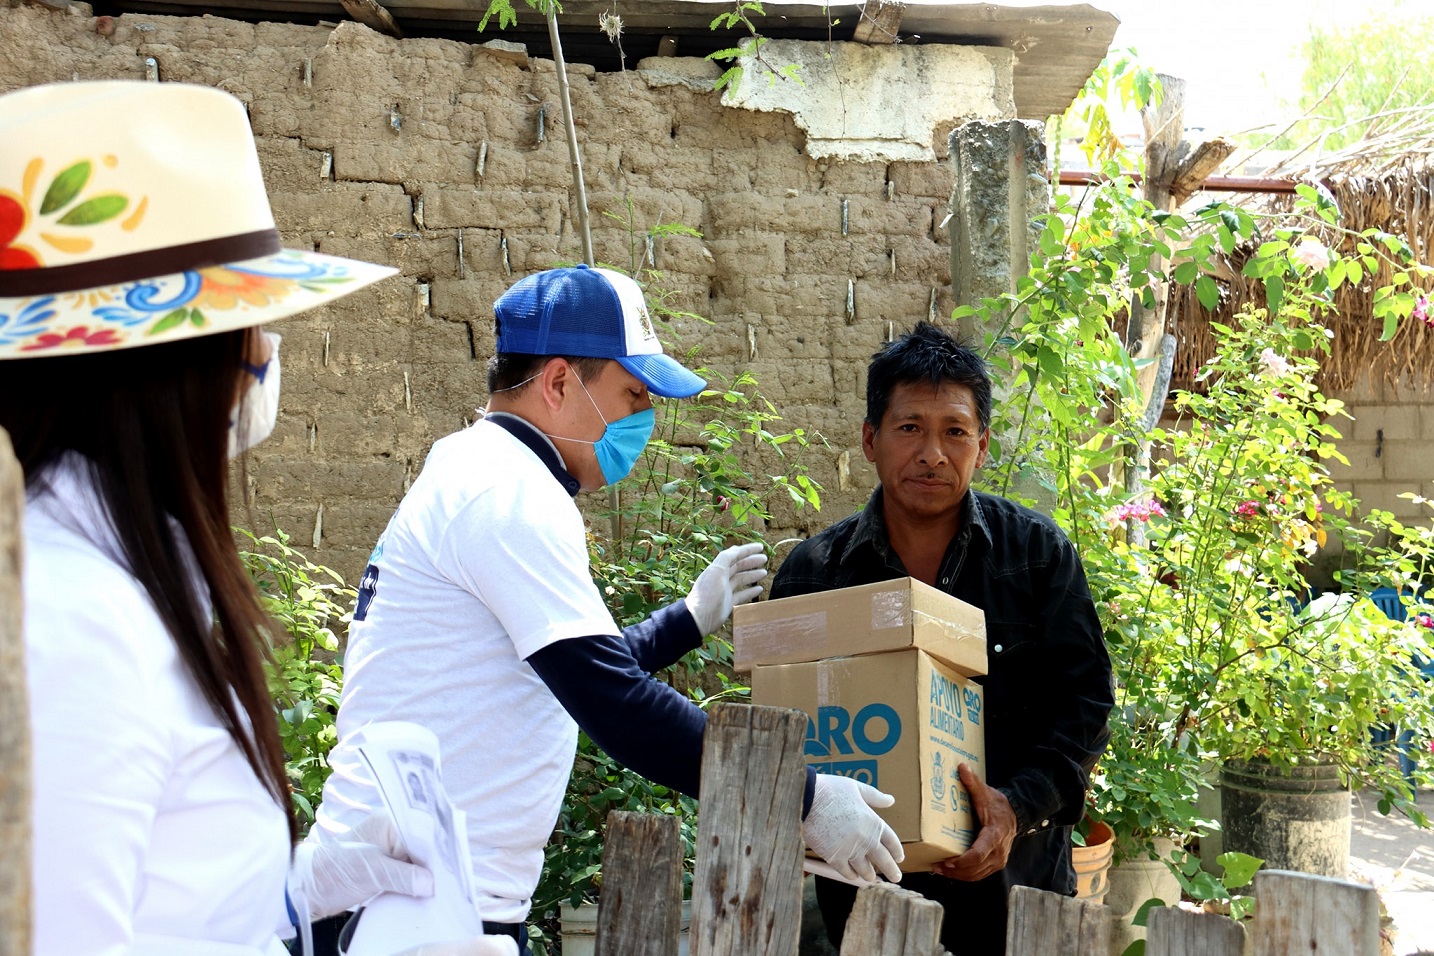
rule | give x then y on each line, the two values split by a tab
621	443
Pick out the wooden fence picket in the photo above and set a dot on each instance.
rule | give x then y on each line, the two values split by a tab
747	888
640	910
14	717
1041	922
890	921
1177	932
1297	914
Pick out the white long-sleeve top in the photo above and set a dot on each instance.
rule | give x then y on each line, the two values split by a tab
152	835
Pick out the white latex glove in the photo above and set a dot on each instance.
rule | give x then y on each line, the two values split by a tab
733	578
334	877
845	831
477	946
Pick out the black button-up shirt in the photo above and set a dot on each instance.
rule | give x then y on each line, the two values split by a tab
1049	690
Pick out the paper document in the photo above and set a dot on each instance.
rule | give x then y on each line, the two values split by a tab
405	764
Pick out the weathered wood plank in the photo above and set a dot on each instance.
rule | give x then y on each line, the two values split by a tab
747	889
1195	166
639	913
890	921
879	22
1041	922
15	800
1297	914
1177	932
372	14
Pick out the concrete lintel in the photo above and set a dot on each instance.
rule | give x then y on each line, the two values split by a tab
877	103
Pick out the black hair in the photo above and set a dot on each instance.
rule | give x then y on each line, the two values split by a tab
512	370
926	354
151	428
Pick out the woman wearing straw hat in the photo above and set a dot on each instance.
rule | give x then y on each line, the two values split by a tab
138	259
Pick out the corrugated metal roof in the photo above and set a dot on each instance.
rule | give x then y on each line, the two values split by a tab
1056	45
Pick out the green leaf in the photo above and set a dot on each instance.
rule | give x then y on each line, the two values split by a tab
1136	948
170	321
66	187
1303	340
1391	325
1240	868
1274	294
95	210
1186	272
1143	914
1207	292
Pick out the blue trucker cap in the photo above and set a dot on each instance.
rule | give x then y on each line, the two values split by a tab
592	313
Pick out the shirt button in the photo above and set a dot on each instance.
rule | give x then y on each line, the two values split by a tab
1045	823
997	648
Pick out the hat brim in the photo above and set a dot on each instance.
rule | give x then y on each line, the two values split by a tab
663	375
178	306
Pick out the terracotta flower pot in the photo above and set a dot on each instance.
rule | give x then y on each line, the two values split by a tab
1092	863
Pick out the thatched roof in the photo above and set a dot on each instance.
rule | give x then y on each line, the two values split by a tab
1384	181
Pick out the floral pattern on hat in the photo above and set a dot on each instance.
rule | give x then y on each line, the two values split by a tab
65	207
174	306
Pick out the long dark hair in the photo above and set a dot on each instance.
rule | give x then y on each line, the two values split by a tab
151	425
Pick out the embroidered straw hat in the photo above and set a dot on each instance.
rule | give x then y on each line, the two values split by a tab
133	213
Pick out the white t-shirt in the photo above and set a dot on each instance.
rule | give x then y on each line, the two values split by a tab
484	563
152	834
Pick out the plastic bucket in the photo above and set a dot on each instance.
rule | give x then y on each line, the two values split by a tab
1293	818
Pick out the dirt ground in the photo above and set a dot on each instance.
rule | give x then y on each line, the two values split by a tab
1398	858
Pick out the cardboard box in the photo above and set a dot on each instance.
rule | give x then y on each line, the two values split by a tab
901	721
869	619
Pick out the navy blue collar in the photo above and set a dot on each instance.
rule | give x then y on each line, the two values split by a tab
538	444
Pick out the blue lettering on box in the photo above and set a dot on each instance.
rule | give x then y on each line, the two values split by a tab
863	771
835	730
973	704
945	693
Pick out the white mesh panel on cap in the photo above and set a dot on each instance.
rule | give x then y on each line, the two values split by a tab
636	323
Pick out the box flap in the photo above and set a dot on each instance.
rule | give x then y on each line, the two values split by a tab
867	619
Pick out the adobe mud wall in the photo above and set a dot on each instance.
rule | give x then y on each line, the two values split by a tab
448	161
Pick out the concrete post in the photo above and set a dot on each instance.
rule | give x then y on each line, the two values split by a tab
1002	187
1001	190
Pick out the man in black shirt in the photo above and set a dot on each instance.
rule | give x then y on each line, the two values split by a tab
1049	692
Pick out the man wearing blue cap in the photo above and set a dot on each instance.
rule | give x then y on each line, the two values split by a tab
478	618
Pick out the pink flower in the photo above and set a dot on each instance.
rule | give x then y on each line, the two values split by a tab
1424	620
1247	509
723	503
1421	311
1143	510
1273	364
1312	253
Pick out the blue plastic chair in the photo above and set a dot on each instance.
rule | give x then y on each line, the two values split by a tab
1387	600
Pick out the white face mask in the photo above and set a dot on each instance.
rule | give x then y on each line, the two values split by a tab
253	418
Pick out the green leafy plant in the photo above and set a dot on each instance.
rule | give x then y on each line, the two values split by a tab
749	46
1197	572
309	602
1215	894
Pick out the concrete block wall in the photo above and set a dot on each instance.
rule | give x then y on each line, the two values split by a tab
406	152
1389	441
